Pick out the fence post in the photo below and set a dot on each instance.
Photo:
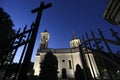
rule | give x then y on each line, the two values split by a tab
99	51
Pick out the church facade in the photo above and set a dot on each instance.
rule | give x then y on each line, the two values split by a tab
68	58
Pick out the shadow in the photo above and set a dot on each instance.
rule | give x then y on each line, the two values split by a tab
64	76
49	67
79	75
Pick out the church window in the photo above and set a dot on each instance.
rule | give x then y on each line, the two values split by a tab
78	42
63	60
73	44
64	75
43	36
70	66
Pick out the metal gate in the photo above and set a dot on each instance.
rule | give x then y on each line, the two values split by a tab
26	39
108	63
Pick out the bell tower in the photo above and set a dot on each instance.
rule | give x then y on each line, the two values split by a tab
44	40
75	42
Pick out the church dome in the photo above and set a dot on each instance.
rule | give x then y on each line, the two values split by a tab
75	42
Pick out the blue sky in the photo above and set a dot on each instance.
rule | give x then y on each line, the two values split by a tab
63	18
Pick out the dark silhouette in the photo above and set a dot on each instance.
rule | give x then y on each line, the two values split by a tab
6	31
28	54
64	76
79	75
6	25
30	74
49	67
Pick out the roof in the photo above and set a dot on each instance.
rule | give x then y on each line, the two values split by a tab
45	30
60	50
74	36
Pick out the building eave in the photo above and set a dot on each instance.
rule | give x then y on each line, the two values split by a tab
60	50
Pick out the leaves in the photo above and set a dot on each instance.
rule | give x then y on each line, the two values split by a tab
49	67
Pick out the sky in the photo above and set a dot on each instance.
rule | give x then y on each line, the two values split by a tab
61	20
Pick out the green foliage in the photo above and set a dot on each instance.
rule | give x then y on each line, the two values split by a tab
49	67
6	31
79	75
6	25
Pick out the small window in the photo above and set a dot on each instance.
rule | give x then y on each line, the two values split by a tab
73	44
63	60
43	37
70	66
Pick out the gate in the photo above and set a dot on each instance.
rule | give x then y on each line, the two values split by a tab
26	39
108	63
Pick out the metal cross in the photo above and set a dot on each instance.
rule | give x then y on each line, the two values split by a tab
27	58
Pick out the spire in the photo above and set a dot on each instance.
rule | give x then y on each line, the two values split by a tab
45	30
74	36
75	42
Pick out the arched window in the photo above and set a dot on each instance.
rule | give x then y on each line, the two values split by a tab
70	65
64	75
73	44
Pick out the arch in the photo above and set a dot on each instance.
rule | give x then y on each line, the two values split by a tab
79	74
64	75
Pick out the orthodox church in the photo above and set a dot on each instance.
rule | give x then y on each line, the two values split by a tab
67	58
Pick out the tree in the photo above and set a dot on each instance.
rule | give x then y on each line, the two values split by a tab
6	31
6	25
79	75
49	67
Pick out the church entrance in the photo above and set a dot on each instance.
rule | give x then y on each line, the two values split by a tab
64	75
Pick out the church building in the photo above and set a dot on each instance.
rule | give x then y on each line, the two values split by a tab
67	58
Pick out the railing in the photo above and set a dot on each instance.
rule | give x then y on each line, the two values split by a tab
26	39
108	63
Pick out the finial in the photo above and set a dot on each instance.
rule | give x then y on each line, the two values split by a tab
74	36
45	30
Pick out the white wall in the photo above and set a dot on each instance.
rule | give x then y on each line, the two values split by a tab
93	67
66	57
36	65
74	57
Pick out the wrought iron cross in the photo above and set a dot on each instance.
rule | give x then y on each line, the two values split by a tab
27	58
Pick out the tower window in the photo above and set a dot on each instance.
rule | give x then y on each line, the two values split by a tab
73	44
70	66
44	37
78	42
63	60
